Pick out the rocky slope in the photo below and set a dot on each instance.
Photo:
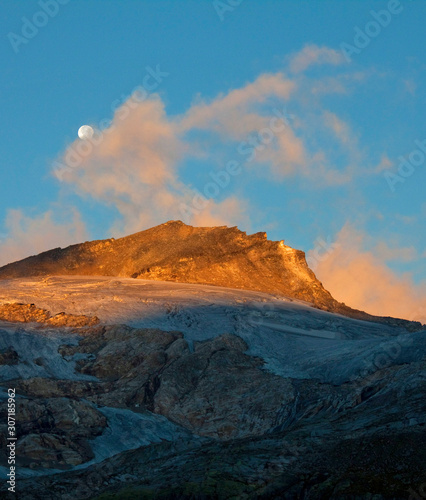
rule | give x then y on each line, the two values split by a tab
207	392
221	256
250	433
177	252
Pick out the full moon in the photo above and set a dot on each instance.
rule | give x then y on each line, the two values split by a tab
85	132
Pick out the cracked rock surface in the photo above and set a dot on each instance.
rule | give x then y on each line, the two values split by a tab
206	393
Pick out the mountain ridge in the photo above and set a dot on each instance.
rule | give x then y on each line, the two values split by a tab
133	385
174	251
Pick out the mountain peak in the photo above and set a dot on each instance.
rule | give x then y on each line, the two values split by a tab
174	251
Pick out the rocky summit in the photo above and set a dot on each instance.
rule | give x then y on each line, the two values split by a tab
174	251
131	378
222	256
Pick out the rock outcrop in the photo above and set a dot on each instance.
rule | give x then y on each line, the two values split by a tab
53	432
29	313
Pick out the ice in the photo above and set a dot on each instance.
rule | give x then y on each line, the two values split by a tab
38	353
293	338
128	430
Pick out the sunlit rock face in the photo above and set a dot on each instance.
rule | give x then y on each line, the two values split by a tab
221	256
29	313
177	252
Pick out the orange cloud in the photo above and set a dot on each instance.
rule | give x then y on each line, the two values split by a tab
314	55
134	164
403	254
131	165
230	212
252	113
362	279
32	235
230	115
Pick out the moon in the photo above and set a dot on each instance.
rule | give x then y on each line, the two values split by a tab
85	132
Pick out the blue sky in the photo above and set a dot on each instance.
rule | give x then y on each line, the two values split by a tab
329	174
